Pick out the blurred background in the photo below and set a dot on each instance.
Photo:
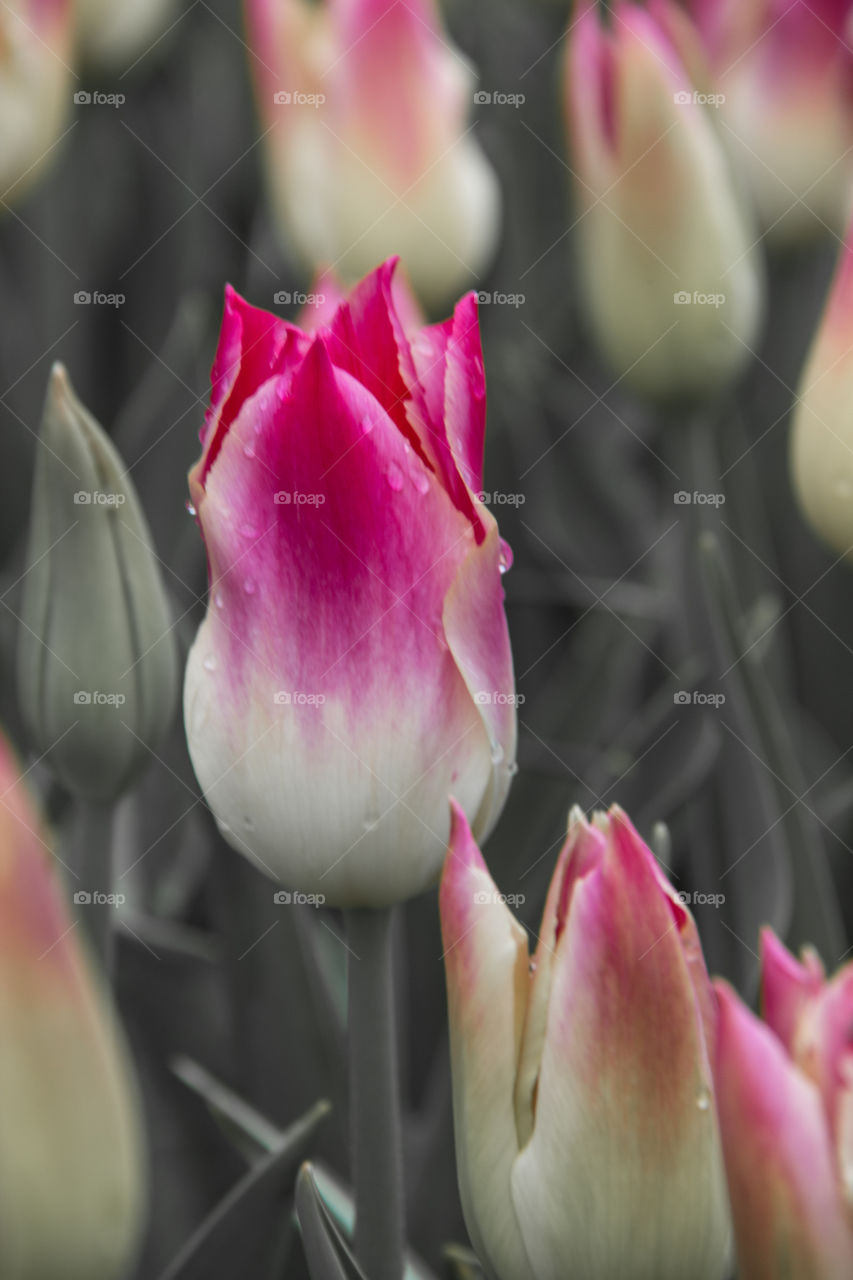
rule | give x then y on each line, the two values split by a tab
620	599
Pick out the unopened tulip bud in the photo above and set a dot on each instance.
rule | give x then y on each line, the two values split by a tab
97	660
354	665
671	283
822	424
583	1100
117	33
369	151
785	1097
71	1152
35	87
783	75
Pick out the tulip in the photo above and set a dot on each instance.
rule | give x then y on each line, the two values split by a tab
821	438
784	1098
71	1151
670	279
96	656
368	151
783	69
35	87
354	663
586	1133
116	34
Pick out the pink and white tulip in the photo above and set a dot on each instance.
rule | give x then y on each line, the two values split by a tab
71	1151
35	87
369	152
785	1099
822	419
586	1132
785	70
671	281
354	666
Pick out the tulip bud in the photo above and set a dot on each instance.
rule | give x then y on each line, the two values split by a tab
116	33
71	1159
586	1132
785	1089
821	437
670	278
354	663
368	151
35	87
97	661
783	74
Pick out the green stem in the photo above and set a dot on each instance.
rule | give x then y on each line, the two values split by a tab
93	859
374	1096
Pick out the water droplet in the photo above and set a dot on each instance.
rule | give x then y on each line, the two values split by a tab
367	426
190	508
219	600
248	530
703	1099
497	753
421	482
249	450
394	477
512	769
531	967
209	663
250	587
506	557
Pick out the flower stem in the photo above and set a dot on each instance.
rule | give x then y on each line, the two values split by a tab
374	1096
93	859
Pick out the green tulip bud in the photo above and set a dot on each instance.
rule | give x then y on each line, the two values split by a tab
97	659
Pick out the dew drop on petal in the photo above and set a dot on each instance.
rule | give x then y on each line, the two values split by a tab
395	477
209	663
512	769
250	587
249	450
506	557
703	1099
190	508
531	967
497	753
219	600
248	530
422	482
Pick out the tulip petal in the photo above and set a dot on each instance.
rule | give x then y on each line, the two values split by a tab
623	1173
788	1214
787	986
485	955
